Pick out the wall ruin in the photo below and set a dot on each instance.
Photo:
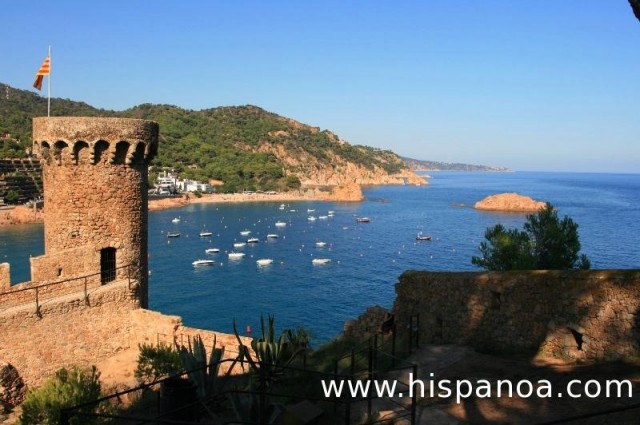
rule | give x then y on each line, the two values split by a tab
577	315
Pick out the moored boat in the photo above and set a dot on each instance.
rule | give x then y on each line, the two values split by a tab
320	261
264	261
363	220
280	224
199	263
272	236
239	244
205	233
236	255
212	250
253	240
173	234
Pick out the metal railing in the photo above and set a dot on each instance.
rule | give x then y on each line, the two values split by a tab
49	291
156	409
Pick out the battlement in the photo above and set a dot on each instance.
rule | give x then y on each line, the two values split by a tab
94	140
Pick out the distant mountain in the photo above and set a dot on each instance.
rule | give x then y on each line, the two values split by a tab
420	165
240	147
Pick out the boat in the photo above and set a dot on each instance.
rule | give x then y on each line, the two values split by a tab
212	250
331	212
323	217
420	237
363	220
245	232
253	240
272	236
176	220
264	261
199	263
320	261
239	244
281	207
311	218
236	255
205	233
173	235
321	244
280	224
309	210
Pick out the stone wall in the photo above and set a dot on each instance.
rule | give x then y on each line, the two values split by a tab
580	315
67	331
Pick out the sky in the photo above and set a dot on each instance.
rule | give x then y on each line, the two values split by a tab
540	85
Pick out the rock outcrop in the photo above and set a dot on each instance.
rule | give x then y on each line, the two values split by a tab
509	202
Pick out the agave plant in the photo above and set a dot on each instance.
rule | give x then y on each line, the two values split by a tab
202	370
271	354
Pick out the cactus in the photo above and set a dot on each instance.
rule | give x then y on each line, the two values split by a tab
202	371
271	354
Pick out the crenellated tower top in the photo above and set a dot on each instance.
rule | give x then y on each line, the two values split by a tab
75	140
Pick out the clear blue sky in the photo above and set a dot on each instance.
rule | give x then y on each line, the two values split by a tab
531	85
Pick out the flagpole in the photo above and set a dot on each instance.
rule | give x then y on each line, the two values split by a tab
49	87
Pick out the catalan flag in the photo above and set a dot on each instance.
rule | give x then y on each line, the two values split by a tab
44	70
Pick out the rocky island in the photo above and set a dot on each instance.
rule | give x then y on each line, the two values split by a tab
509	202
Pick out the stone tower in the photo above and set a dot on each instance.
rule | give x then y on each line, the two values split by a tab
95	197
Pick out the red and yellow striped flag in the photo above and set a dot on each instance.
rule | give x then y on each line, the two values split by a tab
44	70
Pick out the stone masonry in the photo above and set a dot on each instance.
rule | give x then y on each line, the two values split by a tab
579	315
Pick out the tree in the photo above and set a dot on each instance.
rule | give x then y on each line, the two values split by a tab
546	243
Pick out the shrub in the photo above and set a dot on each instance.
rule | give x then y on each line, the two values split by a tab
156	362
67	388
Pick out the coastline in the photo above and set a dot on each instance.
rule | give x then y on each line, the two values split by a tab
26	215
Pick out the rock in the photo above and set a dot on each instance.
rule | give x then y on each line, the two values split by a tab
509	202
12	388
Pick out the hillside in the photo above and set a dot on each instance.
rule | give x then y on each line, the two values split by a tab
245	147
420	165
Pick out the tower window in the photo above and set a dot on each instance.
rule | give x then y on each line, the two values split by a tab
107	265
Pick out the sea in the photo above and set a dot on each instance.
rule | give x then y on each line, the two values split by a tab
366	259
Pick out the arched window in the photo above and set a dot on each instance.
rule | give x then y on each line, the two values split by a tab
81	152
122	148
100	151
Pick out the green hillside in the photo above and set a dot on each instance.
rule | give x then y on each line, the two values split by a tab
245	146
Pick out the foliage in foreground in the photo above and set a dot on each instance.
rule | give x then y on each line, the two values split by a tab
546	243
156	362
67	388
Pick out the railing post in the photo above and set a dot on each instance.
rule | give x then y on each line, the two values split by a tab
86	296
414	397
370	373
37	303
418	330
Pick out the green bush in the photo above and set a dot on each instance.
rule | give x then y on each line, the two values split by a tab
156	362
67	388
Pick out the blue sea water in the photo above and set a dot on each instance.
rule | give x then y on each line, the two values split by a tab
366	258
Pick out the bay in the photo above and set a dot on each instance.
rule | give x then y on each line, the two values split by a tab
366	258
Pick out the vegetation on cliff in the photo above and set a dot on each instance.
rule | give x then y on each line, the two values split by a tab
421	165
546	243
245	147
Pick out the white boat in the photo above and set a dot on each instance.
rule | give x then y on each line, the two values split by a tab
239	244
205	233
236	255
253	240
264	261
323	217
199	263
321	244
280	224
281	207
212	250
320	261
245	232
309	210
311	218
331	212
173	235
272	236
176	220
